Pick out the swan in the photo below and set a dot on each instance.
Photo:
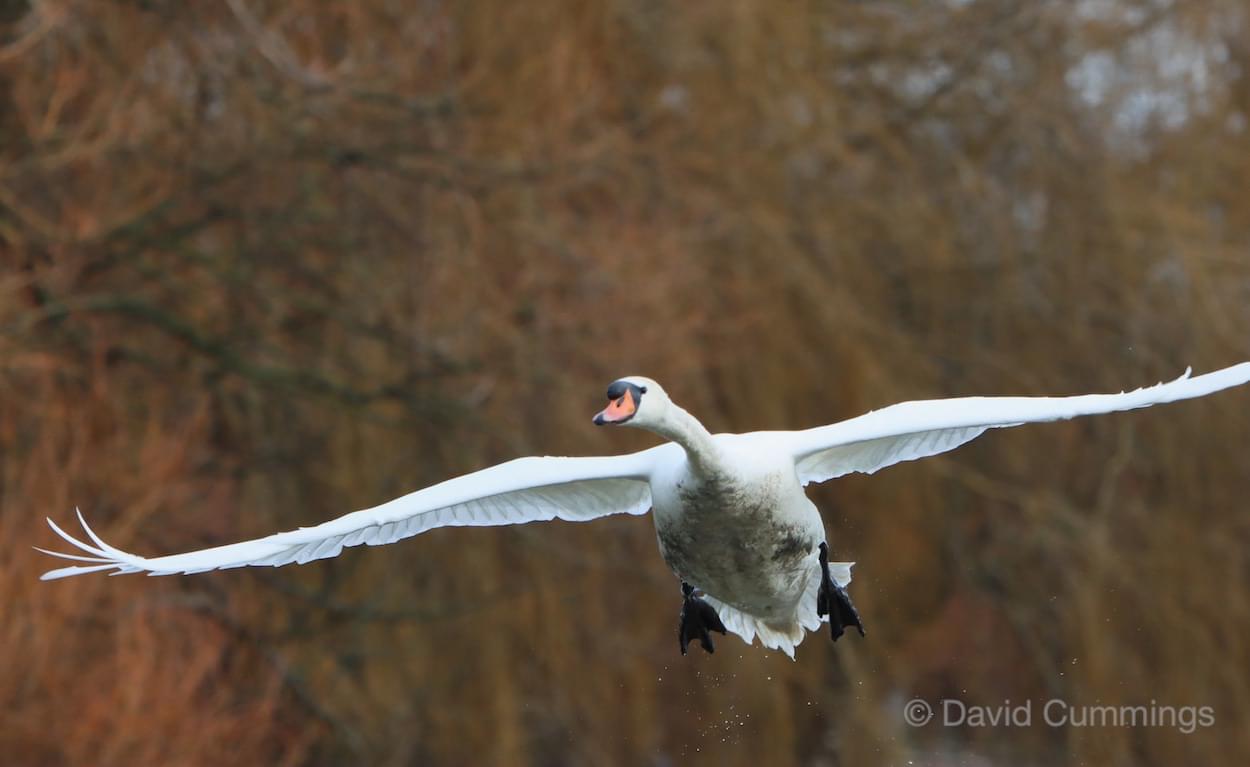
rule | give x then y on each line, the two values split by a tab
731	516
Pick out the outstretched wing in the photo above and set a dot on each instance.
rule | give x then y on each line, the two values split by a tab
911	430
523	490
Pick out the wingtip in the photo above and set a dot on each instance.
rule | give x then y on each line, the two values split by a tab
66	572
74	557
87	529
74	541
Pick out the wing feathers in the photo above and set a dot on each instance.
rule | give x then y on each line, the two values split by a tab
525	490
911	430
74	557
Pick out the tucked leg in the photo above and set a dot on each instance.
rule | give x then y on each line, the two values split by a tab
697	619
832	600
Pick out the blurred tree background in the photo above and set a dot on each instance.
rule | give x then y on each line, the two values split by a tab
263	263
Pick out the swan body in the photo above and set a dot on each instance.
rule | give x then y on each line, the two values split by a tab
731	517
745	532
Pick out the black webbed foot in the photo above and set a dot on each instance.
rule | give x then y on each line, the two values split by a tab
832	600
697	619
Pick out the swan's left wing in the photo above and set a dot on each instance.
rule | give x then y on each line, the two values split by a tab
911	430
523	490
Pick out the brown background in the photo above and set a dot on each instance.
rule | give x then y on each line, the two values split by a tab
265	263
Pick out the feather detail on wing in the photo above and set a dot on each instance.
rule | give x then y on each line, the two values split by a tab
911	430
524	490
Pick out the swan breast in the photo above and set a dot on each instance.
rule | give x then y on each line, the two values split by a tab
746	535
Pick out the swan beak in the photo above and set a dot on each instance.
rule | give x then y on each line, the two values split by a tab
618	410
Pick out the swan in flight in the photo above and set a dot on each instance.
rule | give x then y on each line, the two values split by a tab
731	515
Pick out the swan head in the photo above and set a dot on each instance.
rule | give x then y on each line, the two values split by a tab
634	401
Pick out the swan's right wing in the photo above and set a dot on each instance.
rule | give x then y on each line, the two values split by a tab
911	430
524	490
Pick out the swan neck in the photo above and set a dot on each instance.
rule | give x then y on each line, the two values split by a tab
684	429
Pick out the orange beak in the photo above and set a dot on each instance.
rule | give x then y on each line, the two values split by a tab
618	411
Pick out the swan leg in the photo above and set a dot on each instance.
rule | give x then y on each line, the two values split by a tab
697	619
832	600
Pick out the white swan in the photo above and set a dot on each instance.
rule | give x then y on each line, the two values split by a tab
731	516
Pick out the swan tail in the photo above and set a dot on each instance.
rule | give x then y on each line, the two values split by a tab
783	636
